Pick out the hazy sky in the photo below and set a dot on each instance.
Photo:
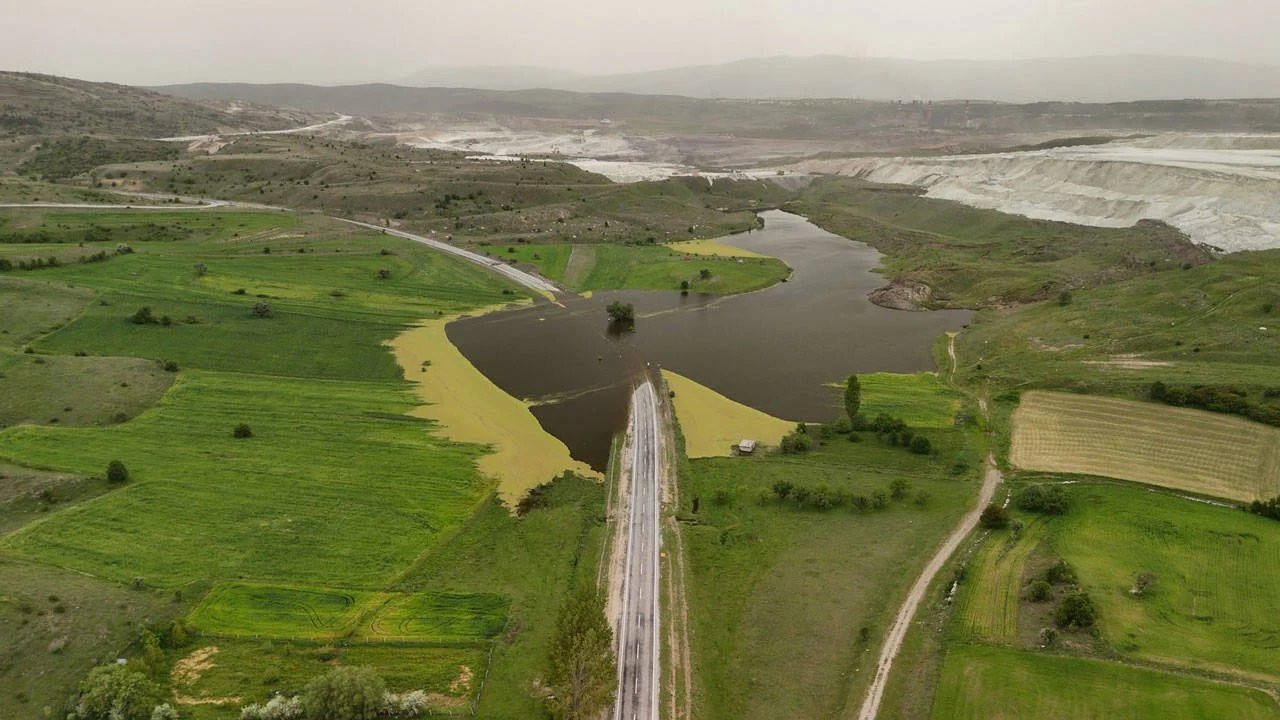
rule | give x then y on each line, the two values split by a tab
146	41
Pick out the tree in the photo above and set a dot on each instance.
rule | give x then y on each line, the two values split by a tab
143	316
920	445
620	312
582	671
1060	573
704	274
242	431
994	517
1047	499
1039	591
115	692
1075	611
117	473
344	693
852	399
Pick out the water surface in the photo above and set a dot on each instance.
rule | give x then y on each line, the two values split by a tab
776	349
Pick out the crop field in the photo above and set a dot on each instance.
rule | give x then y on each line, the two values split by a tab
277	611
45	305
1216	602
712	248
1183	449
921	399
990	609
443	617
712	423
991	683
774	586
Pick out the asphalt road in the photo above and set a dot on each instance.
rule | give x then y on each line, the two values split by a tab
533	282
637	632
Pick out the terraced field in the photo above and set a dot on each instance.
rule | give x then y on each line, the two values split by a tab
990	683
1177	448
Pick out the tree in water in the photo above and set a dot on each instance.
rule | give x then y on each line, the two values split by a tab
582	677
852	397
620	312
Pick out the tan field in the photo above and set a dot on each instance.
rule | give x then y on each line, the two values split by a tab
472	409
1177	448
712	423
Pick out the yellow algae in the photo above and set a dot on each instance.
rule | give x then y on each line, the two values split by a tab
712	423
711	247
471	409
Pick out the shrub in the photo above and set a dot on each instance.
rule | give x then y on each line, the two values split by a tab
117	473
404	705
262	310
1075	611
143	316
879	500
242	431
1143	584
994	517
164	711
1046	499
920	445
171	366
783	488
796	442
1060	573
620	312
115	692
1039	591
344	693
277	708
898	489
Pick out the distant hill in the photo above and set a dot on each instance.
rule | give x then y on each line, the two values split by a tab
1083	79
32	104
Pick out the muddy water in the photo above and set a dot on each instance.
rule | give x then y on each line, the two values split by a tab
776	349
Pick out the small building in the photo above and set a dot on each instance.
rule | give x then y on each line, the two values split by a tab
746	447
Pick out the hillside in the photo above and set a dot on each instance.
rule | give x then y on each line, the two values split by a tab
32	104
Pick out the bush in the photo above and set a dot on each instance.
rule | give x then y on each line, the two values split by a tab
344	693
277	708
115	692
898	489
262	310
920	445
117	473
404	705
1046	499
796	442
1075	611
783	489
164	711
994	517
242	431
171	366
1143	584
1039	591
1061	573
620	312
143	317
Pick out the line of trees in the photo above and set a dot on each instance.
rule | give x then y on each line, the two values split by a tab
1230	399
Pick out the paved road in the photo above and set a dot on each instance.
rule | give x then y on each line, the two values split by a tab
638	645
533	282
340	120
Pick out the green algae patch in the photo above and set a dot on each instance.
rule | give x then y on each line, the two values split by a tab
712	423
470	409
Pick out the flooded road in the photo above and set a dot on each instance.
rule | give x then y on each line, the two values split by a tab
776	349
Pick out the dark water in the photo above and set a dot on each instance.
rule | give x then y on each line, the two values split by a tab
776	349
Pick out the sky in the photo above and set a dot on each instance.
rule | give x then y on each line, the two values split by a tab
148	42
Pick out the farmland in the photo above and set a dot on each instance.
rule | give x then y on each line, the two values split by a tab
989	682
712	423
1191	450
774	585
335	474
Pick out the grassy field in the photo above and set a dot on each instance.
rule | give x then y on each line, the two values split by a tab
712	423
984	258
1217	598
779	595
990	607
339	494
649	267
922	399
1184	449
992	683
1196	326
712	248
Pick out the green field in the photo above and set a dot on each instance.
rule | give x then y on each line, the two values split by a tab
989	683
778	595
921	400
645	267
276	611
1217	600
989	609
